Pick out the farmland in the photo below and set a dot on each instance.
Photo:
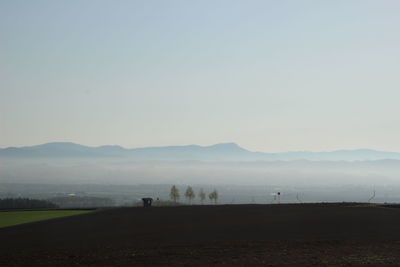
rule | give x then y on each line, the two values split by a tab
9	218
220	235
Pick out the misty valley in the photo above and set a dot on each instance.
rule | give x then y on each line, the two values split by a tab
124	182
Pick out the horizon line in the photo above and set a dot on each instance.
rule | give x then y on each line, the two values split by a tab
202	146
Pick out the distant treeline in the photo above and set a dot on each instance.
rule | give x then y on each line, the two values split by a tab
81	202
25	203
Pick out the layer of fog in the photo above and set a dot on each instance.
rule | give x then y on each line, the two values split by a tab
116	172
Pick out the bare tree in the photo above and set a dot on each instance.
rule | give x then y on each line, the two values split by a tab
189	194
174	194
213	196
202	195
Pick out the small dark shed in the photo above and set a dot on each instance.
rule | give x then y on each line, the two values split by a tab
147	201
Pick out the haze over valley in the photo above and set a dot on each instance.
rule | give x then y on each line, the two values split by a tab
241	176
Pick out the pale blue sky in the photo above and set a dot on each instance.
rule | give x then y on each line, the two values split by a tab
269	75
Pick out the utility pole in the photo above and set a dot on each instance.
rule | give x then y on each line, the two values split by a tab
298	199
372	197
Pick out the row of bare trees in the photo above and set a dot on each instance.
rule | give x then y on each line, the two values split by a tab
190	195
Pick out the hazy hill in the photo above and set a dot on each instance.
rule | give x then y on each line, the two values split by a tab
218	152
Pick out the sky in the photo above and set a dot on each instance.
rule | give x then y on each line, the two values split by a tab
271	76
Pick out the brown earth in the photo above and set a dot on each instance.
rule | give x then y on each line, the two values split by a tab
231	235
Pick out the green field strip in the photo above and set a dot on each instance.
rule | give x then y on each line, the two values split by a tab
9	218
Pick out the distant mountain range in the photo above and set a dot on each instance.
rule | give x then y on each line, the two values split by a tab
218	152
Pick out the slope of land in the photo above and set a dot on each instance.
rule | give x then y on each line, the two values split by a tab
335	234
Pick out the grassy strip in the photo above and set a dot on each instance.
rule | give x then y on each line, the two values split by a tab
10	218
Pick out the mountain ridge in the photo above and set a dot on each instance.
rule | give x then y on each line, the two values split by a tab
217	152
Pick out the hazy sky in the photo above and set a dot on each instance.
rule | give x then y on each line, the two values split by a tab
269	75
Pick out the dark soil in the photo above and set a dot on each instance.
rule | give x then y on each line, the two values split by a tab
276	235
